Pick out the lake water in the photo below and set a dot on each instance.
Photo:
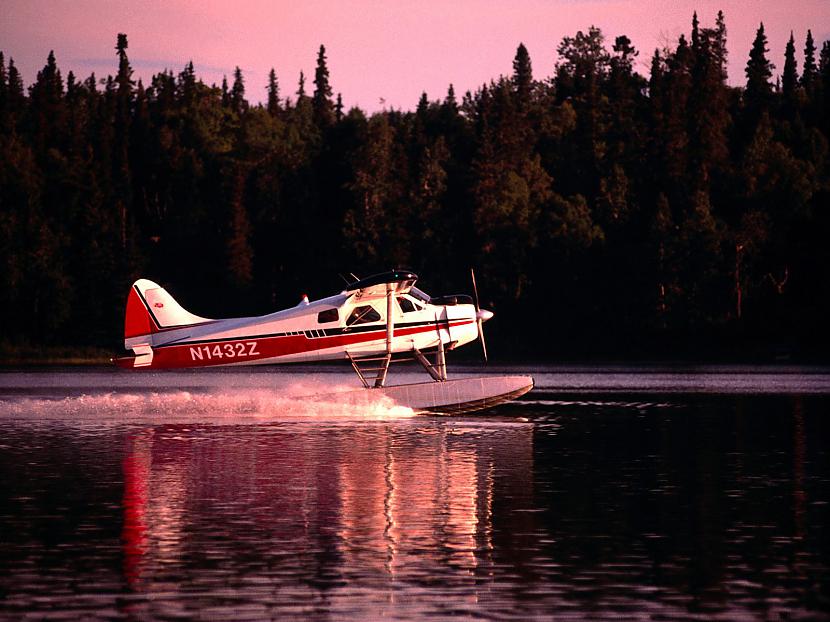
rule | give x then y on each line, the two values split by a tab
605	494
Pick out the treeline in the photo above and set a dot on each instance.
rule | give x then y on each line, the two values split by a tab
605	211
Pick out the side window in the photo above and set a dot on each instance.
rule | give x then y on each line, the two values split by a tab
362	315
329	315
406	305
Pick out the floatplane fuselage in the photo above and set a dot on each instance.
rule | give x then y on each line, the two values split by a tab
368	323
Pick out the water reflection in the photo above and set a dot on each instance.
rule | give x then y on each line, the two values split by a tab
155	505
597	507
364	519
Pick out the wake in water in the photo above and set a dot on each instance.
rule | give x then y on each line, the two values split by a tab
615	404
297	402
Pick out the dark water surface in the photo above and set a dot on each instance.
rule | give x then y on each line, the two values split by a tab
606	494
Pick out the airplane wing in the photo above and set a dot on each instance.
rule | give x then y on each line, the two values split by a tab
374	287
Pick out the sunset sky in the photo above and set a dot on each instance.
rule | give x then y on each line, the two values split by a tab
381	53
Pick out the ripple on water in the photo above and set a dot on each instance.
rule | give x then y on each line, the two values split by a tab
224	504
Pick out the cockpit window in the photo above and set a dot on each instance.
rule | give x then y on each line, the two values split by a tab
407	306
362	315
326	316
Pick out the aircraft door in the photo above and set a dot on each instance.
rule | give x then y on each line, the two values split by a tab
443	325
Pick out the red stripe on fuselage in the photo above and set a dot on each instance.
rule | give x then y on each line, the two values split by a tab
252	349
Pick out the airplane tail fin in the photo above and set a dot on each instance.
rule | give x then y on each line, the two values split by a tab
151	310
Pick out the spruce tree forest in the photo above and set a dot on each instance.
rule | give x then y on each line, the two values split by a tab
607	213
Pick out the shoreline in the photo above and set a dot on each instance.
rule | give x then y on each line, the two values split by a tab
54	356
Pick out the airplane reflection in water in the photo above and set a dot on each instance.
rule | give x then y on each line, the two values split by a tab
323	511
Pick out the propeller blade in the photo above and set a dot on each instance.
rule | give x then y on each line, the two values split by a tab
481	336
475	289
479	320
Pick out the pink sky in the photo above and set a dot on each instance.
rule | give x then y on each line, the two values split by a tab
388	50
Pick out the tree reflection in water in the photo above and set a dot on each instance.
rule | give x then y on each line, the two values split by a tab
374	515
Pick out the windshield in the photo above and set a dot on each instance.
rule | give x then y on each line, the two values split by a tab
418	294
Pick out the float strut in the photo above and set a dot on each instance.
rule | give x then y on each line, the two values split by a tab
440	359
380	380
390	334
437	371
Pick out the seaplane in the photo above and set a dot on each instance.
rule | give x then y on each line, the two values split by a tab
372	323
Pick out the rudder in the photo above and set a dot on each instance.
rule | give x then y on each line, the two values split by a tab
151	309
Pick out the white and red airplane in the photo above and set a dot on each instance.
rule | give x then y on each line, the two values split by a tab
368	323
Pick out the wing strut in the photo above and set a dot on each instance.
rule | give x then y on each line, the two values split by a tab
390	334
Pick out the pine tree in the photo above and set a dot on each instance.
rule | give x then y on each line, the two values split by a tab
338	108
14	93
273	93
450	102
695	33
187	84
303	115
423	105
708	104
522	77
322	104
809	73
301	88
47	108
226	97
789	79
580	74
719	44
123	110
77	115
626	54
238	102
655	83
674	136
15	82
125	72
758	72
583	65
657	116
624	89
121	163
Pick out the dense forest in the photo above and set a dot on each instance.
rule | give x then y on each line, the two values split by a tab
606	213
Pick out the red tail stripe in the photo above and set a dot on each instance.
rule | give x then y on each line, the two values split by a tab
137	321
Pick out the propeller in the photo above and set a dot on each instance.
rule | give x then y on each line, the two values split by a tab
481	316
